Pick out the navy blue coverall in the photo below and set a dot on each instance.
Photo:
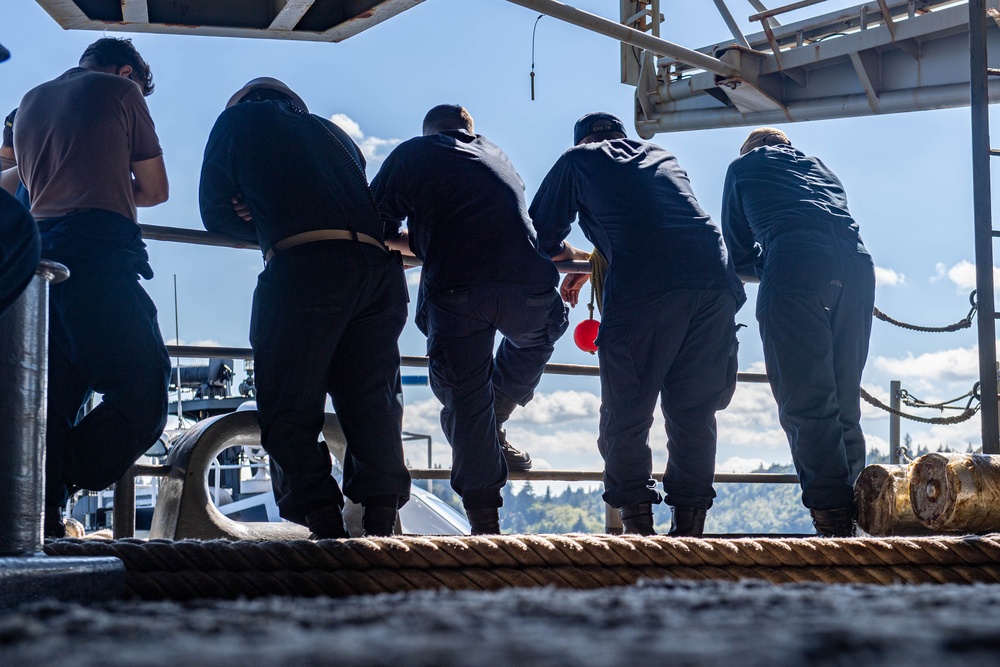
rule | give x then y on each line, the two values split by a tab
326	315
670	299
482	273
785	218
19	249
105	338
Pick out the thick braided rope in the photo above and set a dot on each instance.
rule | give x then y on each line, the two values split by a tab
966	414
161	569
957	326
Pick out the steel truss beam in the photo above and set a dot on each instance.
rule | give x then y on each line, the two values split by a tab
882	57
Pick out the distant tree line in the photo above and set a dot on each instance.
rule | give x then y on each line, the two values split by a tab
740	509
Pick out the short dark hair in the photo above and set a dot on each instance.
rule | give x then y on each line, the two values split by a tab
118	52
447	117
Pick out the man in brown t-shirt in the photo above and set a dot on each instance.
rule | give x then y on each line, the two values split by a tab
88	154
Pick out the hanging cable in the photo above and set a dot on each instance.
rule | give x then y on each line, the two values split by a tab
533	30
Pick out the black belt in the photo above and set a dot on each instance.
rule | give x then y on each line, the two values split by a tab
321	235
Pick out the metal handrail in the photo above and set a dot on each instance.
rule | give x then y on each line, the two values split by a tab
410	361
199	237
598	476
126	493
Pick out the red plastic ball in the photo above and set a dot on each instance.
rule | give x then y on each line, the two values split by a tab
585	335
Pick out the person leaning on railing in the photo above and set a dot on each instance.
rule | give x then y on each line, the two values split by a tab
482	274
786	223
328	309
88	154
668	327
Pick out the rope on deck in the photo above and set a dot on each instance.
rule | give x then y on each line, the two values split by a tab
184	570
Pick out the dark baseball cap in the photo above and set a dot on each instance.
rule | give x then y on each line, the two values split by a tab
597	122
4	53
269	83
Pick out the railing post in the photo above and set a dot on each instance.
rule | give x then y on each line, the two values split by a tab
25	574
894	387
123	513
983	226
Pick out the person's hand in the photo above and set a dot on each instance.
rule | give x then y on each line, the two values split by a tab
571	286
241	209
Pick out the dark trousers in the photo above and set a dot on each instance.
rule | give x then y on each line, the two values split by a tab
326	320
19	250
461	325
104	338
815	313
682	348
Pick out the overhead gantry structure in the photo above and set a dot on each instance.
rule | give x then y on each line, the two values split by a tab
880	57
311	20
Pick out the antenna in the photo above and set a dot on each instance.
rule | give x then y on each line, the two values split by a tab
533	30
177	337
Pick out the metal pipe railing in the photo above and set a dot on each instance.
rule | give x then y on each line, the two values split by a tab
125	489
598	476
199	237
410	361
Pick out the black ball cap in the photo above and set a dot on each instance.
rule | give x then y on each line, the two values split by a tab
596	123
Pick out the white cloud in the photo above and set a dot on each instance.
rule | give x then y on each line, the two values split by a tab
955	365
559	406
740	464
375	149
888	278
870	412
413	277
423	417
563	449
963	274
207	342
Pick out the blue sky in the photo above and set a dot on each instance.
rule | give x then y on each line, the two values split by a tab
908	179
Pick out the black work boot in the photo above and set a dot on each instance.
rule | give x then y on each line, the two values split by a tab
484	521
379	520
516	459
637	519
687	521
53	527
326	523
838	522
503	406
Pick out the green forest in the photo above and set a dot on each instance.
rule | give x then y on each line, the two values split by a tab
739	509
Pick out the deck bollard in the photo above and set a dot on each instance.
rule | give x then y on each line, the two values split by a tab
25	574
23	382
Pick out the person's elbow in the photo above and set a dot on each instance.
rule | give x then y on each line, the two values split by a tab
150	183
152	196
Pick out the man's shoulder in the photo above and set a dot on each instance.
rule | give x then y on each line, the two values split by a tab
79	81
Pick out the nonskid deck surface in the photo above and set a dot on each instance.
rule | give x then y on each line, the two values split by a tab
674	623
